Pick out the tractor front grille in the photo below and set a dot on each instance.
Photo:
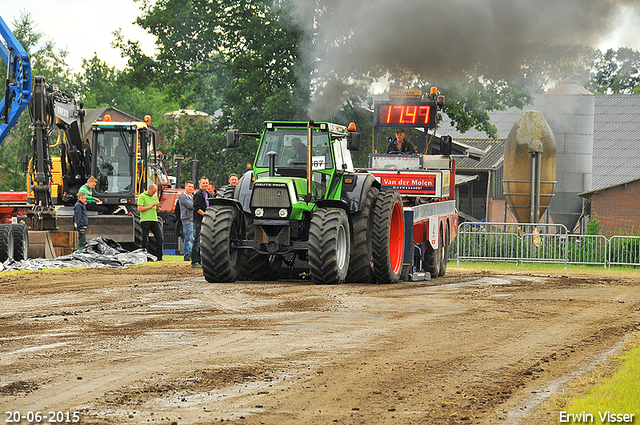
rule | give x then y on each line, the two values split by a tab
270	195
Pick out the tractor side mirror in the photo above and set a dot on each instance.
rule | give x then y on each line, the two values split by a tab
353	141
233	138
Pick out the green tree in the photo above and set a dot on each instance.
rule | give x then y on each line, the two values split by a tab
616	71
239	60
101	85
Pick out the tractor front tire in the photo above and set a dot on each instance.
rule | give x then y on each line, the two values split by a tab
329	246
388	237
219	231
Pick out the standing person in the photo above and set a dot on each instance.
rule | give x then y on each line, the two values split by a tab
81	219
228	190
211	191
148	206
186	216
200	204
93	203
401	144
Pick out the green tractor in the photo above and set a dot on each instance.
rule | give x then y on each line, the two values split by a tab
304	207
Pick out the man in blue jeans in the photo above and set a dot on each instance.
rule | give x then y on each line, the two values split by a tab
200	204
186	216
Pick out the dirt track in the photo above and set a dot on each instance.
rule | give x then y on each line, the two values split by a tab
158	344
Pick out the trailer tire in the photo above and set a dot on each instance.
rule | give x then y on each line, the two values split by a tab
6	242
433	259
252	264
445	253
219	231
20	241
361	264
388	237
329	245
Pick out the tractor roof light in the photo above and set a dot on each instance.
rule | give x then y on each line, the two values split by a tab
352	126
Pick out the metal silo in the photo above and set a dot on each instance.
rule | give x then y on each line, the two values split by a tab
569	109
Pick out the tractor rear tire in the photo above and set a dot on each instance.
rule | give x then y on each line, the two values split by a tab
361	264
20	241
219	230
253	265
388	237
6	242
329	246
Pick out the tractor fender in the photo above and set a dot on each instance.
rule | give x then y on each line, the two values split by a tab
355	193
225	201
333	203
242	194
230	203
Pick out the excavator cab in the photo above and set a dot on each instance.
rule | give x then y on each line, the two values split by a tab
124	161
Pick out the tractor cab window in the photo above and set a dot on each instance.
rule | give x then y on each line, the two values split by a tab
291	146
114	160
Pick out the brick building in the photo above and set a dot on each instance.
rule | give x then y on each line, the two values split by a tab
617	208
116	115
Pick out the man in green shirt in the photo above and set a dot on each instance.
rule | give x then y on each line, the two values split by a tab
148	206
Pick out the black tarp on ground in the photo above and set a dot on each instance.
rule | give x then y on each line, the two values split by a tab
99	252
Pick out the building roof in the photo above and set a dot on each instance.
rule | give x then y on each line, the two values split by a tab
616	140
492	158
94	114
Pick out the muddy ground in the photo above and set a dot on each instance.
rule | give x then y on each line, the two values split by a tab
158	344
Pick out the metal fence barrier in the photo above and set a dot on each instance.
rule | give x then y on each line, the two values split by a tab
543	243
624	250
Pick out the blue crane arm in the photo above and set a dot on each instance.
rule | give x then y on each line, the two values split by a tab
18	83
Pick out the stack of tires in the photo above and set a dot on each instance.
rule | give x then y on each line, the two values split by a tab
14	242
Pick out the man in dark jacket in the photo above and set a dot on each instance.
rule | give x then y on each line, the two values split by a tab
81	219
401	144
200	204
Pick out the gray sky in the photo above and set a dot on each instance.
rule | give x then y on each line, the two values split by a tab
82	26
85	26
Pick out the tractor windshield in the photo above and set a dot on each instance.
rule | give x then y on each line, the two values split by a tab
291	146
114	160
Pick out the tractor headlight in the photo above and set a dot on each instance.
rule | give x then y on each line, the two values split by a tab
259	212
283	213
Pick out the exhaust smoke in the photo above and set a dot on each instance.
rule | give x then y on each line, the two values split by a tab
364	40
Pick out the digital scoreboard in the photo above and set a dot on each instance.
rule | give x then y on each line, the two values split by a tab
406	113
